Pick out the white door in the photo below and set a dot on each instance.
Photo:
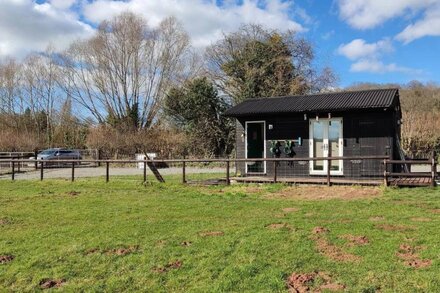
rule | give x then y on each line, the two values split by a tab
326	140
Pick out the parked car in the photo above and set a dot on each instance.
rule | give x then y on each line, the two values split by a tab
59	154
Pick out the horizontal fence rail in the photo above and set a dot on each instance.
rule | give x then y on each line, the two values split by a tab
369	169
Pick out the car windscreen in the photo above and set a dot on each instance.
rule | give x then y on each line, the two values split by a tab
47	152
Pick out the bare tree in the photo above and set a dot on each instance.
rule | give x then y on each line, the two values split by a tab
121	74
40	92
10	100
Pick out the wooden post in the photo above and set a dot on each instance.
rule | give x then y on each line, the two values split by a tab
145	169
385	174
41	170
275	172
99	157
433	169
13	170
184	171
228	180
329	162
35	158
18	165
107	171
73	171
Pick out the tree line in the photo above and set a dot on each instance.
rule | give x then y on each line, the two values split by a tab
134	88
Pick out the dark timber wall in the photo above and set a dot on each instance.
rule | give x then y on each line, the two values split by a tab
365	133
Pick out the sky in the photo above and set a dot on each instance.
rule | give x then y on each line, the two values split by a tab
379	41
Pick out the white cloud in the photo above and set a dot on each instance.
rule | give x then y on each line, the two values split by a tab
27	26
359	48
204	20
365	14
366	57
376	66
62	4
428	26
328	35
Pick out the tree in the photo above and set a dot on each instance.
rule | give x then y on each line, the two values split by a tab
122	73
40	92
10	87
256	62
197	108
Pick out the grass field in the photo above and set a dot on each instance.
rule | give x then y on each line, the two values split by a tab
123	236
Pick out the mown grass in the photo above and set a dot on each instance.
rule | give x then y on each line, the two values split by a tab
49	230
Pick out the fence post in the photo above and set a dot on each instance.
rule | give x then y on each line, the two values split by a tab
42	170
433	169
329	162
107	171
183	171
145	169
13	170
99	157
73	171
35	158
18	165
385	174
275	172
228	181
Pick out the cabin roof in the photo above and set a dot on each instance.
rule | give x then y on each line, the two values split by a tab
325	102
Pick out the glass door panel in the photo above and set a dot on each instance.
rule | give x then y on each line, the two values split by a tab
326	141
334	135
318	144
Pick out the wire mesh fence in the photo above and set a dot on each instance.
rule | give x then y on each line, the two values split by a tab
332	170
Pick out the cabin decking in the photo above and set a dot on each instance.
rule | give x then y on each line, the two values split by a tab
400	182
410	182
307	180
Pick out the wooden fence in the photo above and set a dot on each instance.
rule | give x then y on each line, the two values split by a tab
389	177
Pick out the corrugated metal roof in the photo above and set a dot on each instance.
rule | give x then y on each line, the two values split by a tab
338	101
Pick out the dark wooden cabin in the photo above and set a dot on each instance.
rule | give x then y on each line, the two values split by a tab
340	124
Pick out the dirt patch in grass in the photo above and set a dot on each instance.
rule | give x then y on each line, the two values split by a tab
435	211
51	283
391	227
331	251
5	221
211	233
410	256
73	193
92	251
4	259
421	219
320	230
299	283
355	240
290	210
121	251
324	192
377	219
170	266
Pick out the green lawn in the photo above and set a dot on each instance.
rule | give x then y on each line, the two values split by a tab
78	232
